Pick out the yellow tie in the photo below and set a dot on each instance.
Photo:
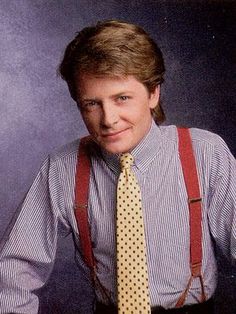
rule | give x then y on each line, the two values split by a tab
132	277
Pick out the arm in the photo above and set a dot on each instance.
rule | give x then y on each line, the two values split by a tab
222	210
27	257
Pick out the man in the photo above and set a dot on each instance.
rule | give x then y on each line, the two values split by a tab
114	71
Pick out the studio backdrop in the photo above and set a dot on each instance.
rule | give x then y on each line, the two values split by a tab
38	116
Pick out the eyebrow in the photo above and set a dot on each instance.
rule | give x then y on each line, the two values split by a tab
89	99
112	96
121	93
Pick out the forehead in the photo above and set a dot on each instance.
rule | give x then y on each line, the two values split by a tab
86	78
89	84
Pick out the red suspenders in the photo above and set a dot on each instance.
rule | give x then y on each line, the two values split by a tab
81	213
81	203
195	215
194	200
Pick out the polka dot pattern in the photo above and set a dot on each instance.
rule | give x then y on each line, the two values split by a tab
132	278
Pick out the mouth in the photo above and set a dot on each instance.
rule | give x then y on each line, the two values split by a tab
114	135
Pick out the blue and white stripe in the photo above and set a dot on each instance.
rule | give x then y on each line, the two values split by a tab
27	257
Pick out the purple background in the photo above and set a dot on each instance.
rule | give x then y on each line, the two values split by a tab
37	114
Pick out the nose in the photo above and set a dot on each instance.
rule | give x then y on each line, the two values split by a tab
110	115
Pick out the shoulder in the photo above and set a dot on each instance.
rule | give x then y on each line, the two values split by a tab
200	138
209	144
65	153
209	148
206	138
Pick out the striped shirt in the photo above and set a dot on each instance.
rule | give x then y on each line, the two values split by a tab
27	257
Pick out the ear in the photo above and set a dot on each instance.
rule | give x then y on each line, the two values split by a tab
154	97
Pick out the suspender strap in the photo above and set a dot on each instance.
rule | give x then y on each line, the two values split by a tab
195	215
194	201
81	203
81	213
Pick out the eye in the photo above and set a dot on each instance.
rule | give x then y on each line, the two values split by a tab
89	105
123	98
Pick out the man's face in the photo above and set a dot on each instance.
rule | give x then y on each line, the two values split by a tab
116	111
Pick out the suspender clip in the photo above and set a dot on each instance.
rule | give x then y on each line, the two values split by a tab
194	200
83	206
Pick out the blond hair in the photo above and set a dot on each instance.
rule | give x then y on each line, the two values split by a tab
114	48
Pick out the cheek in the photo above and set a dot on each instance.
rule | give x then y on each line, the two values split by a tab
90	122
132	113
138	114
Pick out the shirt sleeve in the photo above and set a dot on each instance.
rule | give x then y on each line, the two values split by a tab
28	254
222	210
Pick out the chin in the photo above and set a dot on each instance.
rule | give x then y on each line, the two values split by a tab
112	150
116	149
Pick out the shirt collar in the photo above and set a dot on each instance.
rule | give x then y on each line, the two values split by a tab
143	153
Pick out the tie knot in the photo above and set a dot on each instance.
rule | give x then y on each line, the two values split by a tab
126	160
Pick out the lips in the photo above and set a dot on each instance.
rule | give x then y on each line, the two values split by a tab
114	134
